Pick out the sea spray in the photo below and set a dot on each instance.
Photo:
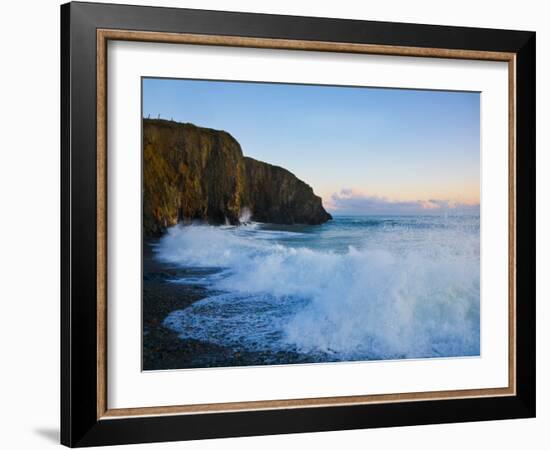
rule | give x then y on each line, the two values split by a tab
354	289
245	216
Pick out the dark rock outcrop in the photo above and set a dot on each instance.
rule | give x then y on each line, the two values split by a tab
275	195
192	173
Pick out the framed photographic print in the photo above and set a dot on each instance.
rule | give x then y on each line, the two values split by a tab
276	224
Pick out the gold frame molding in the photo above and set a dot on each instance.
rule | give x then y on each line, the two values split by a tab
103	36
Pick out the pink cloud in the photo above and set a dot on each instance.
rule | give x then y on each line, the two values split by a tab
350	201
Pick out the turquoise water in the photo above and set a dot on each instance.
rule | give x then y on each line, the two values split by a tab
354	288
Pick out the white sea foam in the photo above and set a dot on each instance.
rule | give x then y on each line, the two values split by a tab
409	291
245	216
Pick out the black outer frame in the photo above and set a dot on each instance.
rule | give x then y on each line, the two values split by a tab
79	423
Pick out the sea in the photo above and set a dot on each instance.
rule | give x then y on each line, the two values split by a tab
357	288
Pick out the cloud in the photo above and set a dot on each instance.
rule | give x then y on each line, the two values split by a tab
349	201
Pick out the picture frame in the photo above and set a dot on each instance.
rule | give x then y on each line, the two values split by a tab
86	418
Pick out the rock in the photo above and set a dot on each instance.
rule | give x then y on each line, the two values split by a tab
194	173
275	195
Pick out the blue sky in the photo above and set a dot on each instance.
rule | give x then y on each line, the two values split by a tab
361	149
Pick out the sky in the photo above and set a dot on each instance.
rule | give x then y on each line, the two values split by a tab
363	150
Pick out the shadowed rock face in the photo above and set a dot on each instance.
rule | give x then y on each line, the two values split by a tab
197	173
275	195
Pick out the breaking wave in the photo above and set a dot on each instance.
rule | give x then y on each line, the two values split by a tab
352	289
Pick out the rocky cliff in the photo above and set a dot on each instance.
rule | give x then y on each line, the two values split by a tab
197	173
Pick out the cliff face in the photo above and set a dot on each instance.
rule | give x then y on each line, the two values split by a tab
275	195
198	173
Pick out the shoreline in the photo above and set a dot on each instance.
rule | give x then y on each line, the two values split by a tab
162	349
215	332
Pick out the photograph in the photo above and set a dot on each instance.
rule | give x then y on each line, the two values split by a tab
284	222
299	224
